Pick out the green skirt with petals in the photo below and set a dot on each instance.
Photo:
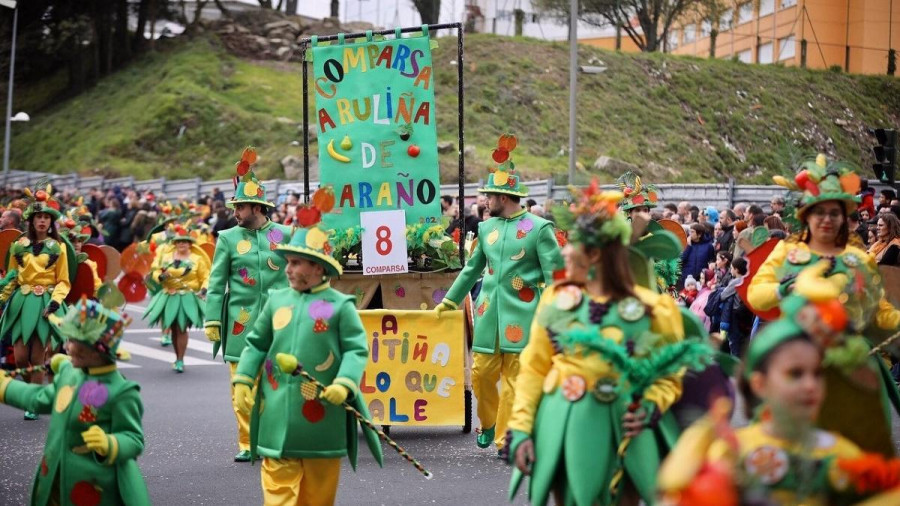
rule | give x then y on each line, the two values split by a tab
185	310
23	318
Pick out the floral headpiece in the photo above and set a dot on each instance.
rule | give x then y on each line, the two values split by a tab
593	218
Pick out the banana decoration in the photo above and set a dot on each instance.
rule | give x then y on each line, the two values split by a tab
334	154
786	183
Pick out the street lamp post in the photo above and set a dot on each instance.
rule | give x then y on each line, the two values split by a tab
9	95
573	81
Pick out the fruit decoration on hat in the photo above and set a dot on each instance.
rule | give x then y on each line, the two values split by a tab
819	180
309	239
636	193
247	188
42	201
503	178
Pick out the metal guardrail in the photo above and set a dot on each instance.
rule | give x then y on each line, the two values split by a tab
718	195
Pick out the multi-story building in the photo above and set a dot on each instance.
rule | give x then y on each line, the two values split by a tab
855	35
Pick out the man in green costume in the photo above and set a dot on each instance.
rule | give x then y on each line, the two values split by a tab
300	432
244	268
520	252
95	431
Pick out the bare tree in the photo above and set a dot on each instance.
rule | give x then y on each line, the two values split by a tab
646	22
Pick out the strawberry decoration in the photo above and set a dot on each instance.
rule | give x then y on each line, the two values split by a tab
87	415
400	291
561	238
456	234
237	328
320	326
482	308
320	311
313	410
327	248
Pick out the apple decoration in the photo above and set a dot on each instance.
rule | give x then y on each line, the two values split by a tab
243	168
41	195
801	178
313	410
308	215
500	155
413	151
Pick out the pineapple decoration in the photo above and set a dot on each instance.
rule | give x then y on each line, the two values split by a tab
320	311
240	322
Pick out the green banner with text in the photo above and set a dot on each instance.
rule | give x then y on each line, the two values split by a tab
377	128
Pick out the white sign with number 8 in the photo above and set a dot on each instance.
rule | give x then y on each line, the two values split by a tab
384	242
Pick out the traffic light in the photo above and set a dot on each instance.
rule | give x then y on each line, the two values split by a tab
885	155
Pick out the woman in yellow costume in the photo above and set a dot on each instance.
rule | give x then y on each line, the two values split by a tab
40	259
182	273
78	233
828	197
571	413
782	457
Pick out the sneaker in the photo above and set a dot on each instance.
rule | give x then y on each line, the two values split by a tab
178	366
485	437
30	416
242	456
165	341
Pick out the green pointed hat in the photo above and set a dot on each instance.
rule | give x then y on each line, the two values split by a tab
91	323
821	180
504	179
248	189
309	239
637	194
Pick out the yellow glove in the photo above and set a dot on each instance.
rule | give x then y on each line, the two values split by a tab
213	334
812	284
243	398
445	305
57	361
96	440
335	394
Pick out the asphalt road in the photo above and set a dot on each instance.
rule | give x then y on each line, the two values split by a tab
190	437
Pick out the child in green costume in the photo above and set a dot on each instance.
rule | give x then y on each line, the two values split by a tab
95	431
783	456
569	417
41	259
183	273
302	433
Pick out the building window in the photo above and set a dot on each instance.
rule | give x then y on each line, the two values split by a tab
787	48
726	20
764	53
673	39
745	56
788	3
690	33
705	28
766	7
745	13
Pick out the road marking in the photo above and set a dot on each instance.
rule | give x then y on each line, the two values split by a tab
163	355
194	344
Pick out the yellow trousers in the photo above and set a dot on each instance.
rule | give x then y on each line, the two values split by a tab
493	409
307	482
243	421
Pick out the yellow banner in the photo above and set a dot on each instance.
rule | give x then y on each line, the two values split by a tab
416	369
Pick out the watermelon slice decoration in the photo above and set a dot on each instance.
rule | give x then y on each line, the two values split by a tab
313	410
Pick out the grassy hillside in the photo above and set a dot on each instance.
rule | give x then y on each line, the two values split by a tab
188	109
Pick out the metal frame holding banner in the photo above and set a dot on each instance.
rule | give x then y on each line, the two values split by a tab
377	138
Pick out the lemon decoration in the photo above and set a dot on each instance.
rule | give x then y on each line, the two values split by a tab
501	178
243	246
282	317
493	236
315	239
64	398
251	189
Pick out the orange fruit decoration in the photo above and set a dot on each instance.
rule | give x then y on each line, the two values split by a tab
134	261
851	183
249	155
323	199
507	142
41	195
833	314
514	333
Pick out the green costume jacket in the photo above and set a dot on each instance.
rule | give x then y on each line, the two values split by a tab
322	329
76	400
520	253
244	268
